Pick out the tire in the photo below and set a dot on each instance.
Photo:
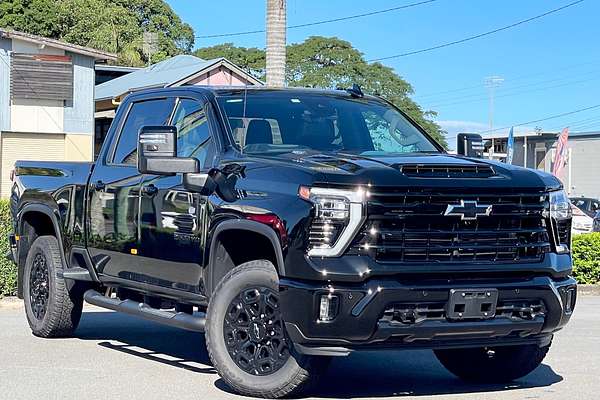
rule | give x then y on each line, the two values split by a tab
506	364
59	314
292	374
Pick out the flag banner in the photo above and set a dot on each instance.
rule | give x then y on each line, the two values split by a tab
560	158
510	146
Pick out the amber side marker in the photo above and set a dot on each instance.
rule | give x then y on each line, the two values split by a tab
133	251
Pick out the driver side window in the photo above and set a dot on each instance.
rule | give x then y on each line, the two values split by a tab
193	134
142	113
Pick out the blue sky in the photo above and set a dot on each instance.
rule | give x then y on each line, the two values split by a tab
550	66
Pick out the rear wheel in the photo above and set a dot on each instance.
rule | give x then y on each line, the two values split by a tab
52	310
246	337
492	365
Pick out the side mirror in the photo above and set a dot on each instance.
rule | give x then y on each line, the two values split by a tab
469	145
157	152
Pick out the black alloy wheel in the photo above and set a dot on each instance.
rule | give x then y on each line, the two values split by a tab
254	332
39	286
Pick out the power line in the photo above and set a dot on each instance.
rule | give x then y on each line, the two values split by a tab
327	21
477	98
543	119
510	80
480	35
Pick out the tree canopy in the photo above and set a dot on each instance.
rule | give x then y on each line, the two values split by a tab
330	63
112	25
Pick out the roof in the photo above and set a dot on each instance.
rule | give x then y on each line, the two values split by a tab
174	71
73	48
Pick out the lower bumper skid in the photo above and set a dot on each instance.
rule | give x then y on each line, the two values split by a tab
388	314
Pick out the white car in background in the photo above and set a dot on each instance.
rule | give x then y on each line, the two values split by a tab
582	223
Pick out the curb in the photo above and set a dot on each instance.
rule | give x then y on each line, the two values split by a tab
588	290
11	303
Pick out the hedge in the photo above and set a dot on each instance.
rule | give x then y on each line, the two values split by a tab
8	270
586	256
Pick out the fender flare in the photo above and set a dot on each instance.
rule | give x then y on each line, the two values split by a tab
247	225
51	214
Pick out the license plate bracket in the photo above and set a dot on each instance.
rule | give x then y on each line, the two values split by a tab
472	304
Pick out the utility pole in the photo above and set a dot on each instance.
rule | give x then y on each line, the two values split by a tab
276	38
492	82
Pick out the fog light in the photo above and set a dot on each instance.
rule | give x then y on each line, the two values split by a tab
328	307
570	297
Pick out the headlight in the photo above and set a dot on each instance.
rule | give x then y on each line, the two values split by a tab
338	217
560	206
560	220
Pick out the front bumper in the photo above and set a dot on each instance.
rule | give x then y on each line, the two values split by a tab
361	322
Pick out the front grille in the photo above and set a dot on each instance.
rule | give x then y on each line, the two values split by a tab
410	227
447	171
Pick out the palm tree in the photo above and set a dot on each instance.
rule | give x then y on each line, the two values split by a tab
276	32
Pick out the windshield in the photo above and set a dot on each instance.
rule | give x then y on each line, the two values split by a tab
274	122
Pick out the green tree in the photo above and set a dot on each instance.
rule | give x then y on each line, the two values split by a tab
250	59
111	25
322	62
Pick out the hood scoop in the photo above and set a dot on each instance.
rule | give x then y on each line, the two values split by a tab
447	171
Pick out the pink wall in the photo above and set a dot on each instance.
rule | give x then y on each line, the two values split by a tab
221	76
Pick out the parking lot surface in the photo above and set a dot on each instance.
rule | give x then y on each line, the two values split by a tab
114	356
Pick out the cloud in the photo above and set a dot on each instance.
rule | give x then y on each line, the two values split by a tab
463	126
455	127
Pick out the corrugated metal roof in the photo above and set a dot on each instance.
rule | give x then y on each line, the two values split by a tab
162	74
73	48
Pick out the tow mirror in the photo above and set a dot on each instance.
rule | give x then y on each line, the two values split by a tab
157	152
469	145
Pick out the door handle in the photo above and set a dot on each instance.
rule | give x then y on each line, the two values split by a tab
149	190
99	185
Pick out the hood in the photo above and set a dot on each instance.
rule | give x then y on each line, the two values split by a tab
418	170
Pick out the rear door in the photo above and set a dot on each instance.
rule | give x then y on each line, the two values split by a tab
113	201
172	219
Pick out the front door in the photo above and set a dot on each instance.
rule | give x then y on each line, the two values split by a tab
114	201
172	219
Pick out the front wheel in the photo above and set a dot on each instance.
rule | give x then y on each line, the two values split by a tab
246	338
492	365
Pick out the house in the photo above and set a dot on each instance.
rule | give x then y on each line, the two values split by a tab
176	71
46	101
581	175
105	73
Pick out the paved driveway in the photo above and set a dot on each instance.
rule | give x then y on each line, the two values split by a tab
119	357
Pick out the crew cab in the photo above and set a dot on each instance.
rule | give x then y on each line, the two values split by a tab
293	226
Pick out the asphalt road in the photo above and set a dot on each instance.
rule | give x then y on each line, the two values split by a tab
119	357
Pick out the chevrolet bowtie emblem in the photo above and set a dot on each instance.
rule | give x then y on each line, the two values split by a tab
468	210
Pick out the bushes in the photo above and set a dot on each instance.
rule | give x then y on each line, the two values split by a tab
8	270
586	258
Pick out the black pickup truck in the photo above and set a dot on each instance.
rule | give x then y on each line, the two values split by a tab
294	225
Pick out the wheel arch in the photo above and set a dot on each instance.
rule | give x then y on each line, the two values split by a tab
35	220
260	239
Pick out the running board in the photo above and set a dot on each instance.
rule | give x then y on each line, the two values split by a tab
176	319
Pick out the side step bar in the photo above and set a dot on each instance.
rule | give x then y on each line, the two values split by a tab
176	319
